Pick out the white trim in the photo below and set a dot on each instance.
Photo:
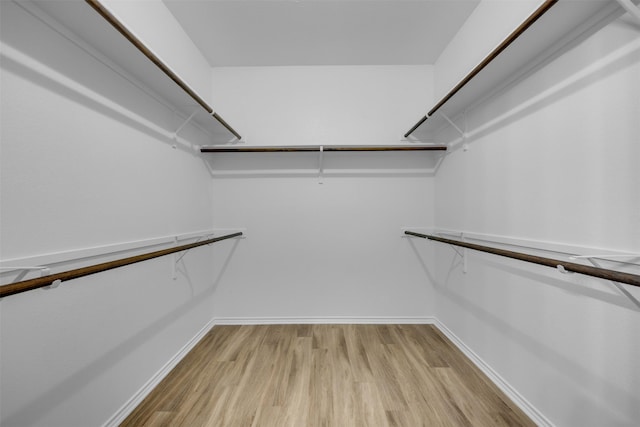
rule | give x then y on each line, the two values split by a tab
325	320
528	408
148	387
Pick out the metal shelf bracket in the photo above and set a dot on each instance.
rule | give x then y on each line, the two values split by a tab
320	165
631	8
615	284
463	133
177	256
44	271
460	131
175	134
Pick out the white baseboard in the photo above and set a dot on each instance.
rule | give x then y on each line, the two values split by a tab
139	396
333	320
531	411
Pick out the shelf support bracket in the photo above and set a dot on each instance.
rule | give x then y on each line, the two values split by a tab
174	261
177	256
462	253
631	8
460	131
463	134
617	285
44	271
175	134
320	165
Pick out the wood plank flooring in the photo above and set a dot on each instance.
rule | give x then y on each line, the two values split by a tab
326	375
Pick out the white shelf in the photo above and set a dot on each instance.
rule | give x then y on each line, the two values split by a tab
106	37
545	32
318	148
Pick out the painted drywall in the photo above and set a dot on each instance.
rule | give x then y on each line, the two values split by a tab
558	164
329	250
153	24
333	249
323	105
475	39
86	161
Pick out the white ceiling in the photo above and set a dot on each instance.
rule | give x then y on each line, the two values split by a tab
321	32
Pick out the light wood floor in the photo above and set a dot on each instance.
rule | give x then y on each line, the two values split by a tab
326	375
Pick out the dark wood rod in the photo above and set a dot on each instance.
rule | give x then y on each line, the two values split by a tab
544	7
386	148
225	124
267	149
416	126
40	282
257	149
122	29
602	273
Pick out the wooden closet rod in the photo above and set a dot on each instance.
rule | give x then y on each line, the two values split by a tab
602	273
40	282
486	61
226	125
266	149
122	29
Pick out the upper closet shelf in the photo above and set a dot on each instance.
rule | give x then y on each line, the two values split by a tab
92	23
549	28
318	148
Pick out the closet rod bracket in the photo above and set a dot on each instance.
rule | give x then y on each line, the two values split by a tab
615	284
631	8
186	122
462	253
563	270
320	165
44	271
463	133
53	284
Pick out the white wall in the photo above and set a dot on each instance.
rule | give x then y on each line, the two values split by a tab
158	29
80	167
481	33
323	105
332	249
559	165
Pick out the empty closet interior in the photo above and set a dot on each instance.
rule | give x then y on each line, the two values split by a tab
169	167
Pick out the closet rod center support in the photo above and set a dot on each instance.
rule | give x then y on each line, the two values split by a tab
320	166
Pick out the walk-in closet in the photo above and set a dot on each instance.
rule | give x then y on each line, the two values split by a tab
319	213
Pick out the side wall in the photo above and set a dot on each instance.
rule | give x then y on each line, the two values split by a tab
152	22
558	166
81	168
489	24
332	249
